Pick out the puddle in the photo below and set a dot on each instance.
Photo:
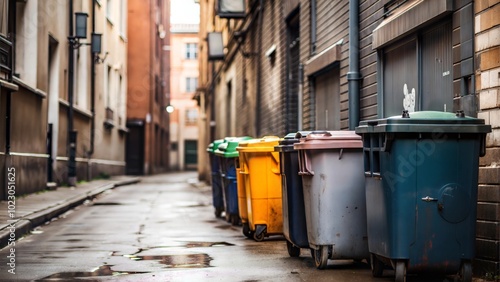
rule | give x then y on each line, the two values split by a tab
104	270
207	244
178	261
106	204
187	204
224	227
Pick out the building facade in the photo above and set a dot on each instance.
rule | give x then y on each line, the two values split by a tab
487	77
51	119
327	65
184	82
148	87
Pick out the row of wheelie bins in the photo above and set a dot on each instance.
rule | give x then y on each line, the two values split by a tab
400	192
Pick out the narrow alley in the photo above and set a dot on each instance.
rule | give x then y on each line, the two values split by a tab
164	229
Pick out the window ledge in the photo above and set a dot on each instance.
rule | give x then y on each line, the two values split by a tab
109	21
108	124
323	60
122	130
408	18
77	109
9	85
26	86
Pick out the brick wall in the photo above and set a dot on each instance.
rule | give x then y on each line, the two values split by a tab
487	58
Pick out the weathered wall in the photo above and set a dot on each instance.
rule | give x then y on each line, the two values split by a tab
487	73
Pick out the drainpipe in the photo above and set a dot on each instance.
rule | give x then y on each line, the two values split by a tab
70	142
300	96
92	100
151	142
259	71
353	76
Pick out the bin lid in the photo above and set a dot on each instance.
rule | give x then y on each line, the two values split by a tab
286	144
425	121
264	144
214	145
339	139
228	149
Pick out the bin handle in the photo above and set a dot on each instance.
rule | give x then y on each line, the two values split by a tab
304	164
482	146
276	161
388	139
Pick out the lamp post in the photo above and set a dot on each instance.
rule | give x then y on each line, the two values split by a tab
80	32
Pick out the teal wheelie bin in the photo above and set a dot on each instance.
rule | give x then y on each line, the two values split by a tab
421	172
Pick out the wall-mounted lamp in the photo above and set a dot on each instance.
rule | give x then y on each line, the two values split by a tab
231	9
170	109
81	25
215	46
80	30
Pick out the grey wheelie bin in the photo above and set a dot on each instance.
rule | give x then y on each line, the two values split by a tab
421	173
217	199
331	166
294	217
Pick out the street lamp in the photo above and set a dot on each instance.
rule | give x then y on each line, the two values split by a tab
170	109
80	32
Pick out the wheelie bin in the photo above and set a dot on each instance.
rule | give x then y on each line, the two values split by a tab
331	166
421	173
260	165
242	180
294	218
228	157
217	199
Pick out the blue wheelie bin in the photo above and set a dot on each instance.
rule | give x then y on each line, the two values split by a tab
421	184
228	157
217	199
294	217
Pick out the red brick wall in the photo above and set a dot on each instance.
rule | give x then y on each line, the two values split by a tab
487	56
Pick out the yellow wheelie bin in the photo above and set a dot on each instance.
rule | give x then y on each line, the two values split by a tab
259	164
241	183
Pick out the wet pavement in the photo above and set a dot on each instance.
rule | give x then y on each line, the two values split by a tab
163	229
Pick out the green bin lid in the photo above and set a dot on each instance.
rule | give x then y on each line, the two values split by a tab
228	149
425	122
214	145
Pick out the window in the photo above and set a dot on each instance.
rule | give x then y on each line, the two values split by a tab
314	28
191	116
108	90
191	84
191	51
4	17
123	18
109	10
327	97
406	86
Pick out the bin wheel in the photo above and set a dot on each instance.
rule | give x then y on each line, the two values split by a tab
466	272
259	236
292	250
312	252
246	231
400	271
235	219
376	265
218	212
321	257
